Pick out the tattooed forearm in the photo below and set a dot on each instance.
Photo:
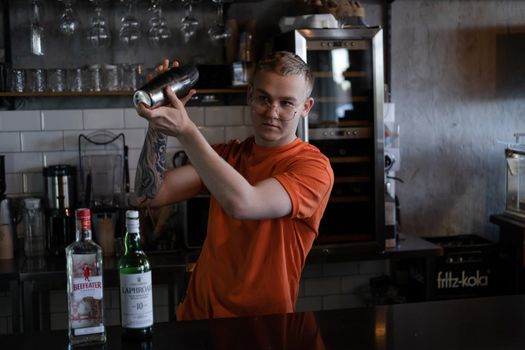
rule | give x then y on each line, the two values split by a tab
151	165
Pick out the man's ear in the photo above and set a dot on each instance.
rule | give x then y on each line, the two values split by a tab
307	106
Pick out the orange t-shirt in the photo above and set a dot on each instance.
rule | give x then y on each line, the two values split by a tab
253	267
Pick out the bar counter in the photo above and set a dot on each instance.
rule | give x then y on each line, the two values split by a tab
482	323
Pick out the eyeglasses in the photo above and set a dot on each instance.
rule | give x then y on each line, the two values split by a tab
285	109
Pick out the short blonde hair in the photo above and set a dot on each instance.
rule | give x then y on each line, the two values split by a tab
286	63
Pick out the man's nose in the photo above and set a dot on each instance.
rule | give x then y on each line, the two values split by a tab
272	110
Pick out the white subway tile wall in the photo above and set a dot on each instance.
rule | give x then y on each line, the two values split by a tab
337	285
31	140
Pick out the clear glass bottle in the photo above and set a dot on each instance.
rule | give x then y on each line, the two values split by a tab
85	288
136	291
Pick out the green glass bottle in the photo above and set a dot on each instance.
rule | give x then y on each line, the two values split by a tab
136	290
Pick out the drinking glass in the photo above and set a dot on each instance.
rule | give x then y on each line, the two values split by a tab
218	30
95	77
75	79
158	32
129	76
129	32
189	24
99	34
37	32
56	79
37	80
68	23
110	77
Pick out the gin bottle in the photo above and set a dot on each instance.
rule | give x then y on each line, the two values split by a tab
136	299
85	286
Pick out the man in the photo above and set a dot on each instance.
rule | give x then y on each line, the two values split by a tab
268	194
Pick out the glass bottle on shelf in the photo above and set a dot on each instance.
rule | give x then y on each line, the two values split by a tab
136	292
85	286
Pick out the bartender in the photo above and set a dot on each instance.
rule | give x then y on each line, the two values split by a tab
267	193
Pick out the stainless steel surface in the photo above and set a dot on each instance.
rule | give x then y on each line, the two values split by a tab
346	124
179	79
338	133
515	180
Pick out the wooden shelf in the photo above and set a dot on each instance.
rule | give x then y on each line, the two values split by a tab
234	90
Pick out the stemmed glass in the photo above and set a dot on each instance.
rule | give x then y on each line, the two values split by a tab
98	34
219	31
68	23
189	24
37	31
158	32
129	32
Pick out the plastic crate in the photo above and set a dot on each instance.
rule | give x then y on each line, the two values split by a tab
468	267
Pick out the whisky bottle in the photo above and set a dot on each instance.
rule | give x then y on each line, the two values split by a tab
85	287
136	299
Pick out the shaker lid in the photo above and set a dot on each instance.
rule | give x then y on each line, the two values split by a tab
141	96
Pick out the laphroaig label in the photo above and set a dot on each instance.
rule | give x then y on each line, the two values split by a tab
87	290
446	280
136	300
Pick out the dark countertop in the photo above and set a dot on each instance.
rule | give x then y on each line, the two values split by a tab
483	323
408	247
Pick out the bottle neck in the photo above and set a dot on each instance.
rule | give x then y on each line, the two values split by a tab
83	231
132	242
83	234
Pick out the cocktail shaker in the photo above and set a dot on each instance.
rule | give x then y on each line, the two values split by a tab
179	79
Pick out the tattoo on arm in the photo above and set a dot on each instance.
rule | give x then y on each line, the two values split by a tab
151	165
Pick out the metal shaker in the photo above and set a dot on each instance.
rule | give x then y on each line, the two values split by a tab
179	79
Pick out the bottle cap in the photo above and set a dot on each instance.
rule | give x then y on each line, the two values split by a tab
132	214
83	218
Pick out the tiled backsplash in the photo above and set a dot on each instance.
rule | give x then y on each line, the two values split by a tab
33	139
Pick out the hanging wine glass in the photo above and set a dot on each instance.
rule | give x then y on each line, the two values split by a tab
189	24
158	32
129	32
68	23
98	34
37	31
218	30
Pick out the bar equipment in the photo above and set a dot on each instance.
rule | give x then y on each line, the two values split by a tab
158	33
99	34
36	31
33	226
189	24
346	124
60	204
68	23
218	30
104	184
515	181
180	80
129	32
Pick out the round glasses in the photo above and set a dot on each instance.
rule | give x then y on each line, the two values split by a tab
285	109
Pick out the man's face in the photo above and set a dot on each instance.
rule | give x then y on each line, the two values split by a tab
277	105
